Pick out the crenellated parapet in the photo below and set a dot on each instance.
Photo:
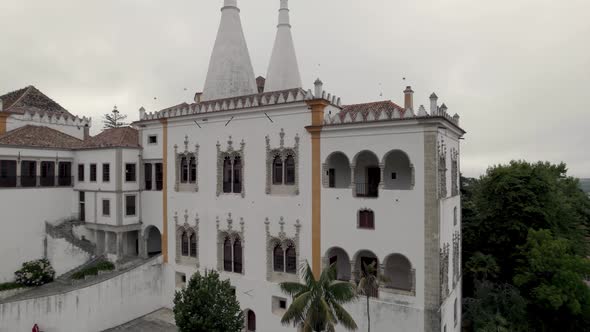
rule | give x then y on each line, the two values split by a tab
43	117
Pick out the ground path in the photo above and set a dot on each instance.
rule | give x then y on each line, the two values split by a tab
158	321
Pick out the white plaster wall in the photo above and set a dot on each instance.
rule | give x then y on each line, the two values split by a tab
24	212
14	122
253	291
151	209
399	214
64	256
152	151
98	157
37	154
94	308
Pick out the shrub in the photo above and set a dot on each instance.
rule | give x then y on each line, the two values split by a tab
93	270
9	285
35	273
207	304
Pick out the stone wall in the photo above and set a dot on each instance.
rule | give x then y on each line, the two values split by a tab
97	307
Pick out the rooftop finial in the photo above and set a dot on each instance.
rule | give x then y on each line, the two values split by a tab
283	69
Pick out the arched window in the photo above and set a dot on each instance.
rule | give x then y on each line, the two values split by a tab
238	255
193	245
366	219
291	259
227	255
193	170
251	317
237	180
184	244
398	271
227	175
290	170
183	170
279	259
277	170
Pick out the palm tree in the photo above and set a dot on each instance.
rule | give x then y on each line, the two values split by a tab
369	286
317	304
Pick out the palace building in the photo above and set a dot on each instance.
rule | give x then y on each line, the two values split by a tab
253	178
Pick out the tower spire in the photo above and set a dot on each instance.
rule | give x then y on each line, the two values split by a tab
230	71
283	70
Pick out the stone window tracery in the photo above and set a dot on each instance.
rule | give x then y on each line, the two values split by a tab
282	163
282	253
230	247
187	240
230	169
186	167
444	271
442	169
454	172
456	257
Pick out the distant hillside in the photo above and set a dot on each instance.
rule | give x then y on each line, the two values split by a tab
585	185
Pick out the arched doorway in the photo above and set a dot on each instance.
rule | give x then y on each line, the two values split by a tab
339	258
250	318
153	239
367	174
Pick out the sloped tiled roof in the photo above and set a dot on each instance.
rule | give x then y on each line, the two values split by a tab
31	99
124	137
39	136
386	106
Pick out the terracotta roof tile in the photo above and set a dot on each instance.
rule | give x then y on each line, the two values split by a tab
124	137
379	106
31	99
39	136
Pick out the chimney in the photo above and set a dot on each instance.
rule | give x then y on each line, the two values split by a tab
433	104
319	88
141	113
198	97
409	98
86	132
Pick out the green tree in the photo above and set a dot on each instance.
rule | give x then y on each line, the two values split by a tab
114	119
369	286
552	276
500	210
317	304
207	304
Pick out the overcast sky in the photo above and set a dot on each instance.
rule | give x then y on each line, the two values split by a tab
516	71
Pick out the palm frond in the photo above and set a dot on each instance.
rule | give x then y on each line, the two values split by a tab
297	309
344	317
342	291
292	288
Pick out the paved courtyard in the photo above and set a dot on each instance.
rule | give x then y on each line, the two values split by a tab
161	320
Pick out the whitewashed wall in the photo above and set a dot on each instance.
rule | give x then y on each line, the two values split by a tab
64	256
24	212
95	308
15	121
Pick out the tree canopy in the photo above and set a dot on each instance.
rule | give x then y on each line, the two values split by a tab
114	119
208	304
525	236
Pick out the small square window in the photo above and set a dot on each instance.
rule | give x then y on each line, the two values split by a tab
283	304
279	305
153	139
183	278
393	175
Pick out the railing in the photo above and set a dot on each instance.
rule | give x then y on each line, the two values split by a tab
35	181
367	190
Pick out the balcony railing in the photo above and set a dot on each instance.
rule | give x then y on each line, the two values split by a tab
367	190
36	181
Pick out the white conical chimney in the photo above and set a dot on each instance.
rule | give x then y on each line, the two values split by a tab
283	70
230	71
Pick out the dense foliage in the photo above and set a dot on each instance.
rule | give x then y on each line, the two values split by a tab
207	304
317	304
35	273
525	249
9	285
93	270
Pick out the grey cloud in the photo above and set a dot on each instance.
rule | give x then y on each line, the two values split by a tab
517	71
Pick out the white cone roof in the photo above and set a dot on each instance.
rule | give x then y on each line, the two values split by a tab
283	70
230	71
